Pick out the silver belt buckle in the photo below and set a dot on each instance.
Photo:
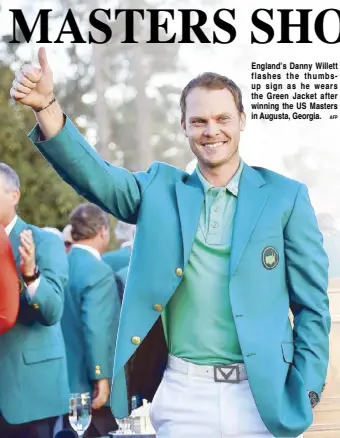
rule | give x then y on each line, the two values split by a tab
221	375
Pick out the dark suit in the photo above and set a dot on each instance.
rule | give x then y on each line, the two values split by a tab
122	274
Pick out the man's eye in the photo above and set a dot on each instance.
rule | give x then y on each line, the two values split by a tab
224	118
198	121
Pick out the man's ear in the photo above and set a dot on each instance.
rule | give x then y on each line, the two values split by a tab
15	197
183	126
102	231
242	121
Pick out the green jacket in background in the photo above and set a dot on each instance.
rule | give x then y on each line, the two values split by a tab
122	274
90	320
33	370
117	259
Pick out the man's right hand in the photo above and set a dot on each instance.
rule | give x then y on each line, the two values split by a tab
101	393
33	86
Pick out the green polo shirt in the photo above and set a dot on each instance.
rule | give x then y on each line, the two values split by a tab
198	321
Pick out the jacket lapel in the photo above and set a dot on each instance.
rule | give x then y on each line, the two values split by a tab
252	197
190	197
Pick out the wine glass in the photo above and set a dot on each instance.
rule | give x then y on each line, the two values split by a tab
125	426
80	412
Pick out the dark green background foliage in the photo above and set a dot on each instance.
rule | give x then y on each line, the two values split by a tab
46	200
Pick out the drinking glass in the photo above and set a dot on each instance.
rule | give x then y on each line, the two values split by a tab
125	426
80	412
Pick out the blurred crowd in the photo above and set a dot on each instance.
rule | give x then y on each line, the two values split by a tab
63	340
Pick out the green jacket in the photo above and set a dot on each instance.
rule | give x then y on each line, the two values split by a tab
90	320
117	259
122	274
273	214
33	377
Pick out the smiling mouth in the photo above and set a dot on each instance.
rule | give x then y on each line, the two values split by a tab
213	145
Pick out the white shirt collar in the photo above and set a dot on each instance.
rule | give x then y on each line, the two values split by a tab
11	225
88	248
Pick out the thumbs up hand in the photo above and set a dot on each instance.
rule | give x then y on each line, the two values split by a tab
33	86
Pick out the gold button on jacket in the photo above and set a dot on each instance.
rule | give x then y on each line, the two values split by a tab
158	307
179	272
35	306
136	340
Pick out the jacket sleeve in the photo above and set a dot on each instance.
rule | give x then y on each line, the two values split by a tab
307	277
100	312
112	188
46	305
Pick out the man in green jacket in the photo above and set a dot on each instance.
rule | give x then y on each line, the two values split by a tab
91	316
33	373
219	258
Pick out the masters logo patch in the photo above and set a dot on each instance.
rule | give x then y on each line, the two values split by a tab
270	257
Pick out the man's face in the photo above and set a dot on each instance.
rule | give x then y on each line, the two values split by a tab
8	201
213	125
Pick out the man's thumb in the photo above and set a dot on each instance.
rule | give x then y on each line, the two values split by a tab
42	59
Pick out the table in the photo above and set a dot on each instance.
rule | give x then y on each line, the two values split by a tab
136	435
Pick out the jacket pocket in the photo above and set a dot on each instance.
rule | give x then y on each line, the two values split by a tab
43	354
287	351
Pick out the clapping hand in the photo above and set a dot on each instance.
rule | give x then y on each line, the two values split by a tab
27	253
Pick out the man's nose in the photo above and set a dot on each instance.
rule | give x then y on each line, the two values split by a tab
211	129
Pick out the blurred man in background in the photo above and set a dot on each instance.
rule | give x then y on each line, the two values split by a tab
120	258
91	316
33	379
55	231
67	237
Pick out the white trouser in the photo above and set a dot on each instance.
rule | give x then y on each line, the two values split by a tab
188	406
